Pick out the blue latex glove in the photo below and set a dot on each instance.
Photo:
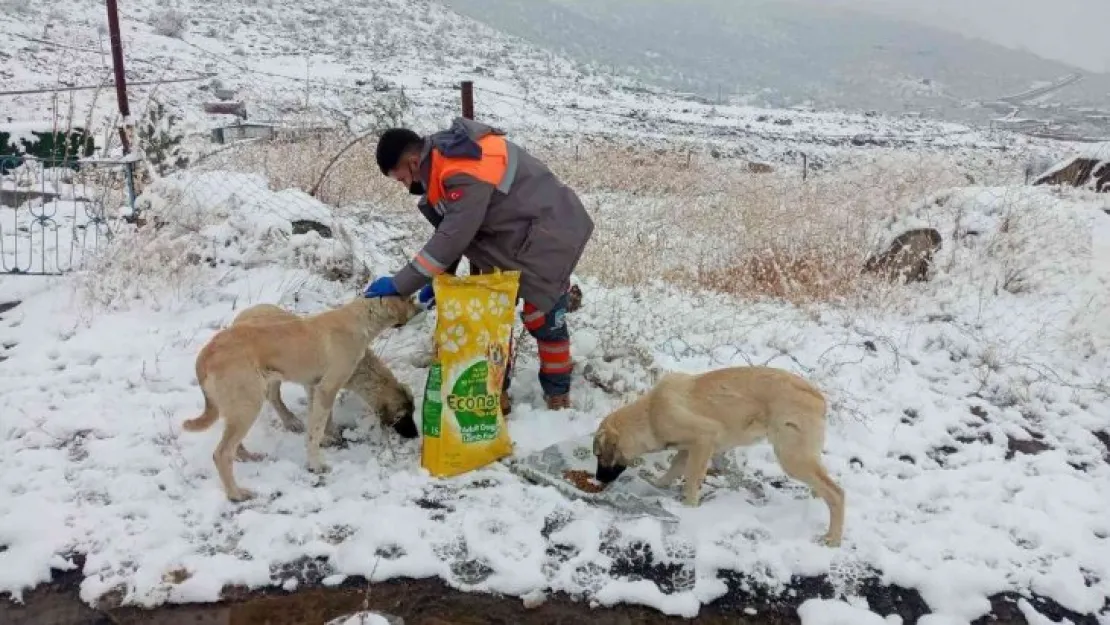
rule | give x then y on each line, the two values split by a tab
427	297
381	287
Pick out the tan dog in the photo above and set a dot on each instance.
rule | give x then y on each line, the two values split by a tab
707	414
236	367
372	381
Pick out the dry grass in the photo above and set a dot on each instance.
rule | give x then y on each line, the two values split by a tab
662	215
717	226
300	163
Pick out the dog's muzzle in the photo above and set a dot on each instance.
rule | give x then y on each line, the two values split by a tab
406	427
606	475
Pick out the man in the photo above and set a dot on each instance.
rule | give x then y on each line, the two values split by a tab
492	201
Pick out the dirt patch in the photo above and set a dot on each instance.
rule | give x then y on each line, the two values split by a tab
432	602
1030	446
1104	438
1004	609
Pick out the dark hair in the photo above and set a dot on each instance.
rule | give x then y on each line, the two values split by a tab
393	144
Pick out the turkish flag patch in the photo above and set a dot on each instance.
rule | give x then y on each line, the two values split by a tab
454	195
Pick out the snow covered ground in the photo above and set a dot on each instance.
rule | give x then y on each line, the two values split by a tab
965	425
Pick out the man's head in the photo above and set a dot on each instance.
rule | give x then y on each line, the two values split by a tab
399	157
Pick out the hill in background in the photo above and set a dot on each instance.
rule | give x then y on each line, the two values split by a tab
777	53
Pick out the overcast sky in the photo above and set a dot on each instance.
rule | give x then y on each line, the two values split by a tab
1073	31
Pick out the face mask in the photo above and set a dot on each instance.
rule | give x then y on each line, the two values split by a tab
417	187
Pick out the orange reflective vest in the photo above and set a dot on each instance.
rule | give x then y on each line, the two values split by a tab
495	167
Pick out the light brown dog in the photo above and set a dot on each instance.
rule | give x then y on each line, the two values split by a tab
237	365
372	381
711	413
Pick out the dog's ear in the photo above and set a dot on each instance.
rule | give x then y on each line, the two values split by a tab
605	446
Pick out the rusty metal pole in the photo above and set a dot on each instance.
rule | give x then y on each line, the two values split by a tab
468	99
117	69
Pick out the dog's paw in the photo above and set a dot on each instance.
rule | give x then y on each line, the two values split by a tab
691	501
295	427
240	495
319	468
250	456
660	483
829	541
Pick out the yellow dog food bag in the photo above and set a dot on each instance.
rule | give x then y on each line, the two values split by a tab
463	426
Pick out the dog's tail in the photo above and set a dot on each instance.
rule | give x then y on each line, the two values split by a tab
206	418
211	412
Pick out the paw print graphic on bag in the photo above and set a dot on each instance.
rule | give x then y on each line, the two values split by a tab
453	339
462	422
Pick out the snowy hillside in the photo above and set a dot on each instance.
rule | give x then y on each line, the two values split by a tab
969	420
776	52
349	65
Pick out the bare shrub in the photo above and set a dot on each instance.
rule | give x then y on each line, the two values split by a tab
170	23
299	164
337	165
139	264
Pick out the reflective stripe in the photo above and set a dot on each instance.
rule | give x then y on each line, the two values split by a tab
428	265
556	368
439	207
554	356
512	160
562	347
534	319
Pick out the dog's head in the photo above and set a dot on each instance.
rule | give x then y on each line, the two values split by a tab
397	409
610	461
392	311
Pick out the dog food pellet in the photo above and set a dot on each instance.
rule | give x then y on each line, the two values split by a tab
583	481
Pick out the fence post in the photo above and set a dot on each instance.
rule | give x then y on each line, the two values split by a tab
805	166
130	169
120	79
468	99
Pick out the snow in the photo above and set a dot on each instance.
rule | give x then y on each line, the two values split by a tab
1095	151
1033	617
362	618
100	377
831	612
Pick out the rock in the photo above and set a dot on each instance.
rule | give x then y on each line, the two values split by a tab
6	306
908	257
1030	446
574	299
760	168
1086	172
